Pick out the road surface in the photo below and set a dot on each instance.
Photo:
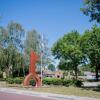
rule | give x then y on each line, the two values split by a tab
12	96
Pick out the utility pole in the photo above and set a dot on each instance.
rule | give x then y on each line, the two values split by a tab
41	57
41	67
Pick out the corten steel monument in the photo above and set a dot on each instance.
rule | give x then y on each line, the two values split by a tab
32	71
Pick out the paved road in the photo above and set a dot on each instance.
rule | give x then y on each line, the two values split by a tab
11	96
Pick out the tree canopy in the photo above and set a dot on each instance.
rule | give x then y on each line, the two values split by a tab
90	44
51	67
68	48
92	9
10	47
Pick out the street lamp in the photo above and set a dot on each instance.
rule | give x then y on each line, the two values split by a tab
41	56
41	67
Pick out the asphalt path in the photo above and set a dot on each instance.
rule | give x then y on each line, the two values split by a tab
12	96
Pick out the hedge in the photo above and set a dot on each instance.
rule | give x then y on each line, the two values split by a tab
48	81
14	80
32	82
62	82
19	81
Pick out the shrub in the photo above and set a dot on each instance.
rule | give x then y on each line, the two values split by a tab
67	83
18	80
14	80
32	82
77	83
51	81
10	80
56	81
47	81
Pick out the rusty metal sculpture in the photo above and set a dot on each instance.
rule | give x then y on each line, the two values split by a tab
32	71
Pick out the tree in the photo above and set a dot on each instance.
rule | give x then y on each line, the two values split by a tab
68	48
16	34
4	37
10	47
92	9
51	67
32	43
64	64
36	42
90	44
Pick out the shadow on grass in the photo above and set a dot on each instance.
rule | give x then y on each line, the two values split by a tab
97	88
93	88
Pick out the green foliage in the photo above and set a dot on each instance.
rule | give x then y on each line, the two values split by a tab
16	33
11	45
18	80
32	82
77	83
65	65
67	83
47	81
15	80
15	49
62	82
10	80
35	42
68	48
92	9
32	42
90	45
51	67
52	81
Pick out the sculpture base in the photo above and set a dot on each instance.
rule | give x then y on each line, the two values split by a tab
32	76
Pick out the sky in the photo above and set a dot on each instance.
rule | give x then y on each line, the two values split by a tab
53	18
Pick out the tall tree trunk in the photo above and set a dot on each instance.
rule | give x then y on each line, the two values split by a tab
96	70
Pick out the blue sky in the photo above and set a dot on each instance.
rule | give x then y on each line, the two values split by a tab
50	17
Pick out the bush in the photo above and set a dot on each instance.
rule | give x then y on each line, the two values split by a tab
52	81
14	80
56	81
77	83
67	83
48	81
10	80
18	80
32	82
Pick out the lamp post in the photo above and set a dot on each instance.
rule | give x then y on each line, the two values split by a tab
41	67
41	56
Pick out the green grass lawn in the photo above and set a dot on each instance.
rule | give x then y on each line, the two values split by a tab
69	91
59	90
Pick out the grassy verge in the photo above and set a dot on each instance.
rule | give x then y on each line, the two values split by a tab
69	91
59	90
